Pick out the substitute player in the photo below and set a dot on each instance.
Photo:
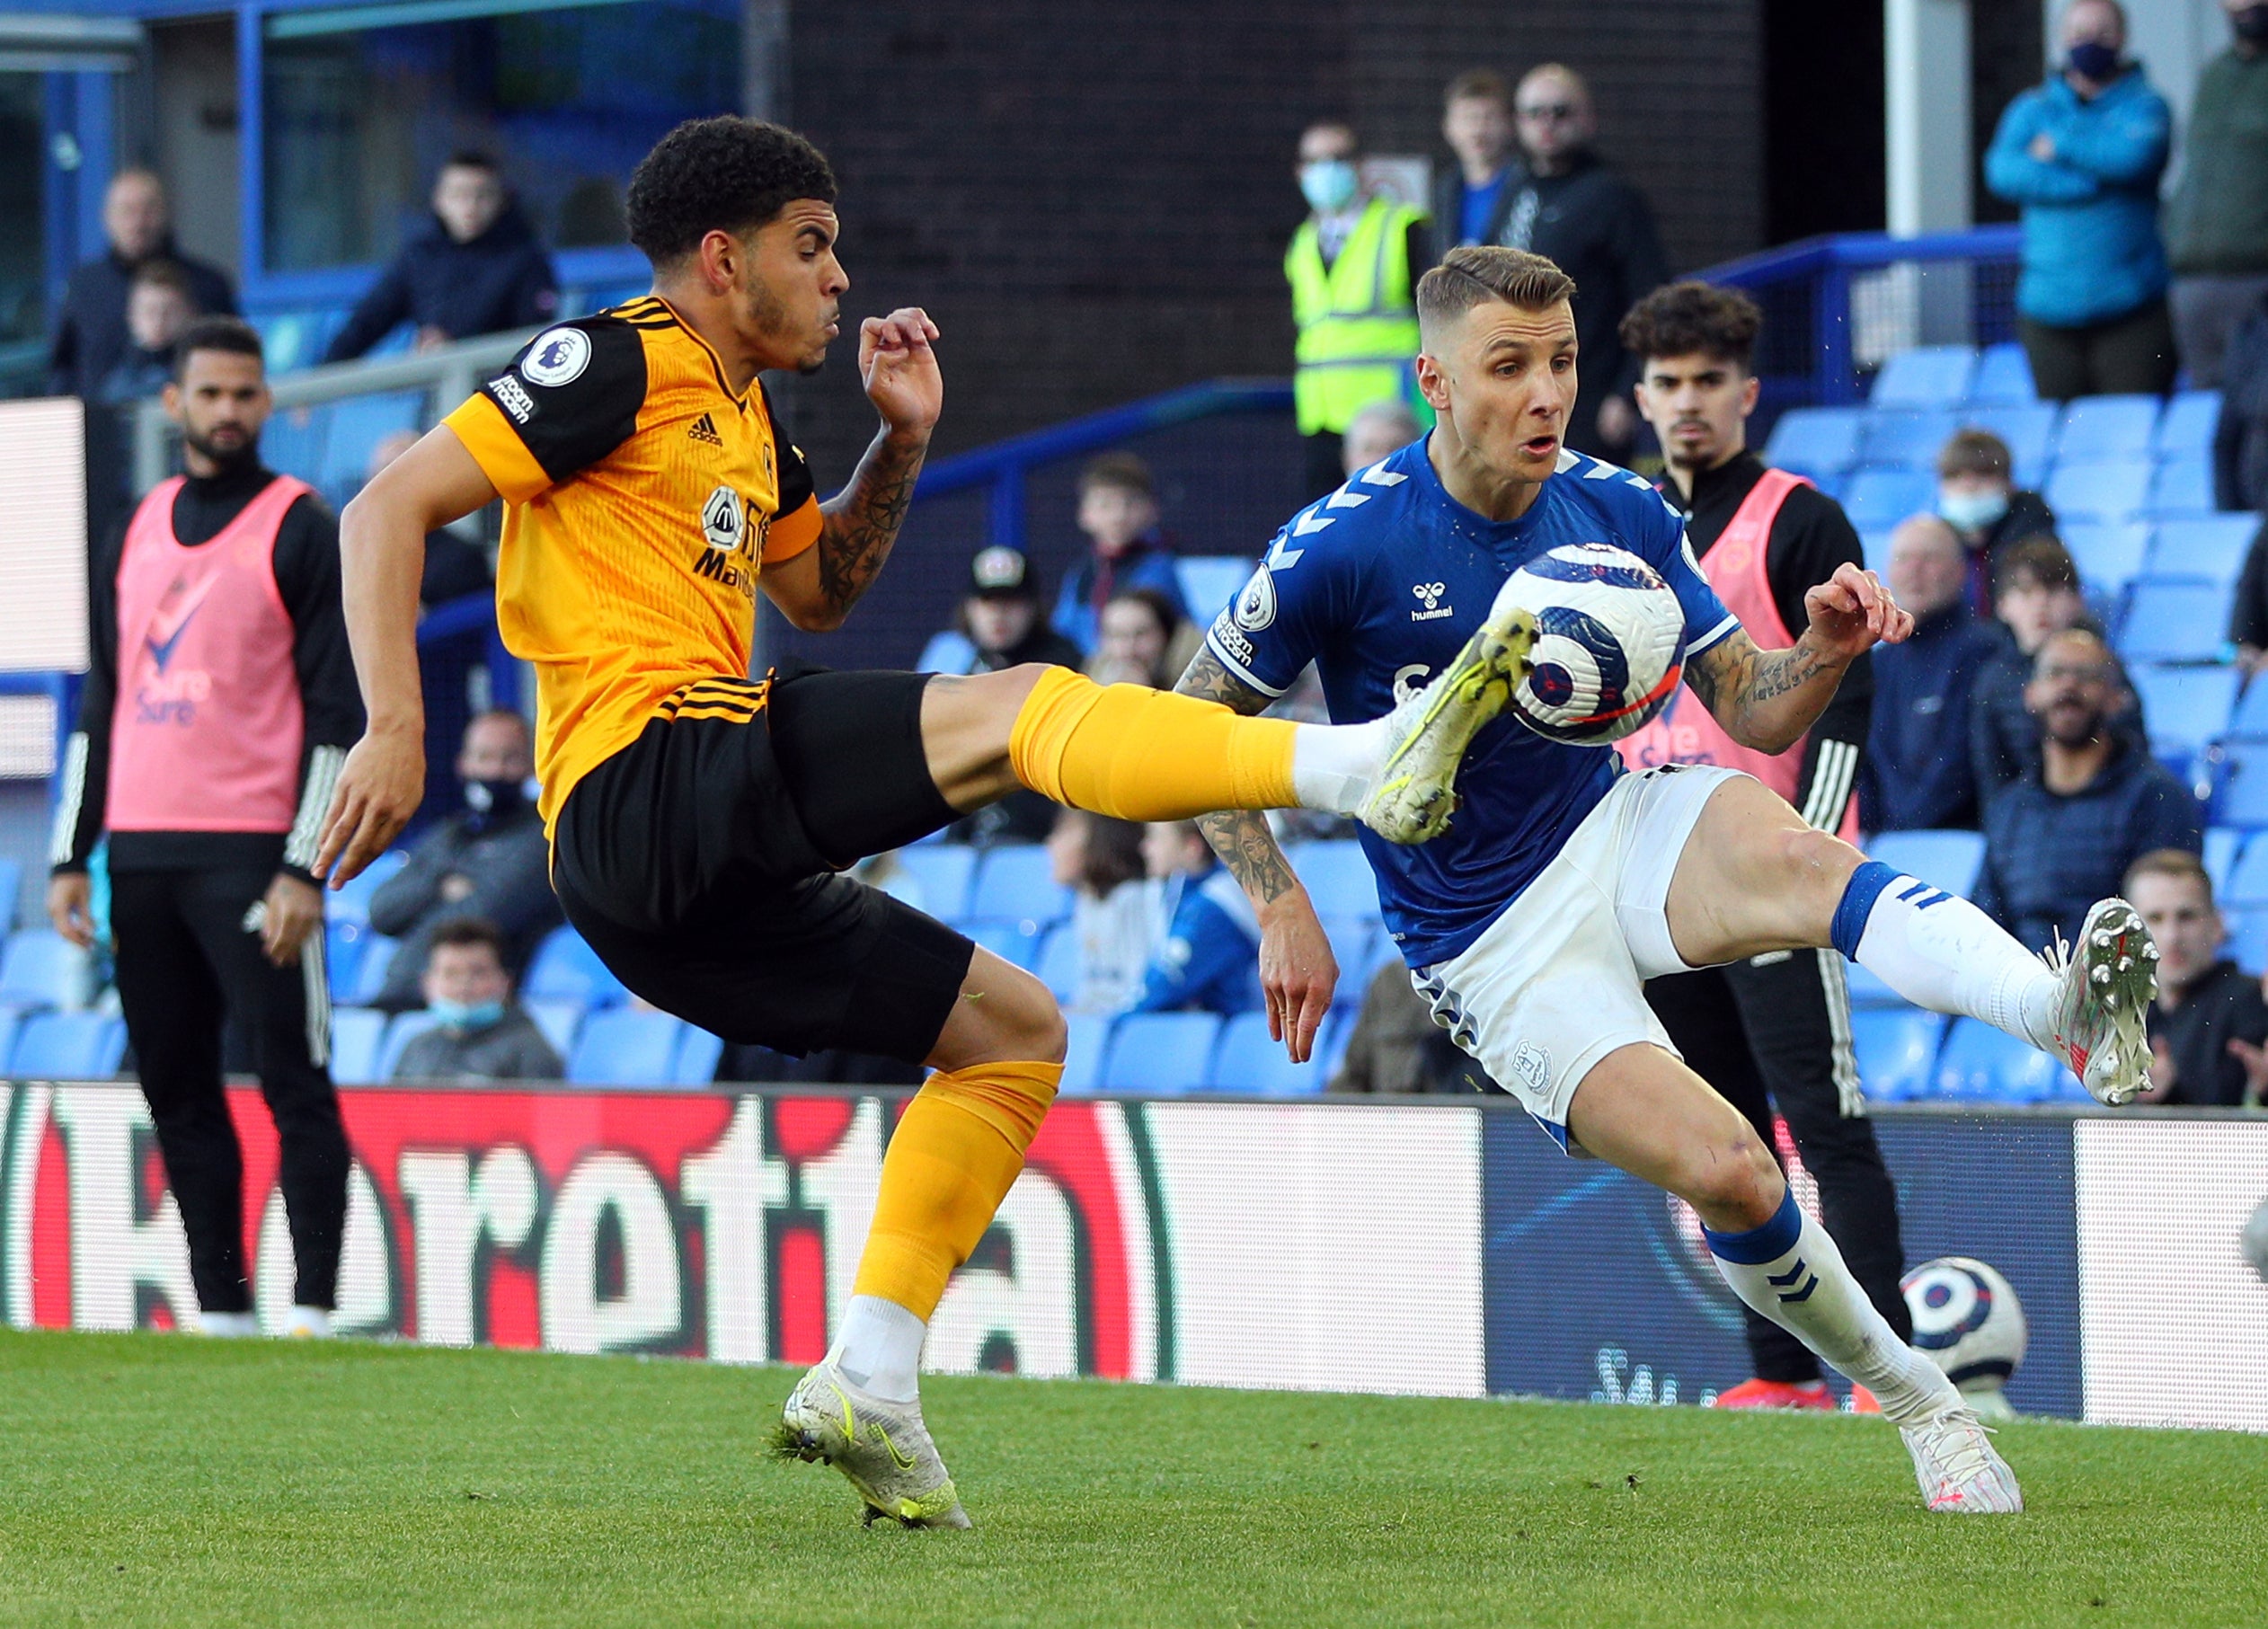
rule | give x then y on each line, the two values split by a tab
1774	1030
700	818
1533	924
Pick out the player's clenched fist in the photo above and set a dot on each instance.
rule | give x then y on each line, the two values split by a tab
380	787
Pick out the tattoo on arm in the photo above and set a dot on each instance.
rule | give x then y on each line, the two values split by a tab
1240	836
859	525
1733	678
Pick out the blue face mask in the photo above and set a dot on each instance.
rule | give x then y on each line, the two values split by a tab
2092	59
1329	184
466	1014
1971	511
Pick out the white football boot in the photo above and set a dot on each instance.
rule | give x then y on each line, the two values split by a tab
1960	1473
880	1447
1415	791
2102	1007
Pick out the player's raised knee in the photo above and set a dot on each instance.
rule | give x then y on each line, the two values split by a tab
1733	1180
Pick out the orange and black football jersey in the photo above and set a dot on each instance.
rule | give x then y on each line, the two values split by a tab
641	497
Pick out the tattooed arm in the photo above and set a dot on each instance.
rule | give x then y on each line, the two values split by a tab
1766	699
1297	972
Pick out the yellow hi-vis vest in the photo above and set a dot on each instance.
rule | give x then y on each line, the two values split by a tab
1358	326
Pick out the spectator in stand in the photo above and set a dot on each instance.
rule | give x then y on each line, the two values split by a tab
1569	205
1113	909
1209	960
2065	835
1379	431
1397	1048
2248	616
160	306
90	334
490	861
453	567
2082	155
476	267
480	1032
1977	496
1471	200
1117	511
1353	267
2035	594
1143	640
1916	773
2218	233
2209	1012
2240	437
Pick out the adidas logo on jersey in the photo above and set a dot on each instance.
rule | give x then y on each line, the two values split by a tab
705	429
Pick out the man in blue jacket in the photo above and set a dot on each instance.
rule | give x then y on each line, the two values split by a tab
475	267
2083	155
1210	959
1916	773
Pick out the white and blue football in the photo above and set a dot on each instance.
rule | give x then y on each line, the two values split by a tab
1609	643
1968	1319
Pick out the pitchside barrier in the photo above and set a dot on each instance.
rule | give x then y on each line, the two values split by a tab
1432	1246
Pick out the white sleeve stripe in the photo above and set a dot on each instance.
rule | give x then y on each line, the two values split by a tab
324	765
1722	632
1238	669
67	810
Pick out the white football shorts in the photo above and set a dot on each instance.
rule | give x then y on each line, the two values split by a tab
1556	982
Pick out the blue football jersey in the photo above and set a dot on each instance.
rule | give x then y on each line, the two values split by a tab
1380	585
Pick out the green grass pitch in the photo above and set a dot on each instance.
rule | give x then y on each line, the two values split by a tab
150	1479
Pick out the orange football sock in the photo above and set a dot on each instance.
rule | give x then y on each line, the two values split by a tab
955	1154
1140	754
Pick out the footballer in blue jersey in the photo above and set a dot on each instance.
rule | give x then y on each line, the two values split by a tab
1561	885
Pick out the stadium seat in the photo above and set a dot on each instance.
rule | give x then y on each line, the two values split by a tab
2003	376
2099	489
1907	438
943	870
1015	883
358	424
2029	429
1874	548
1090	1040
2211	546
698	1055
1019	940
2224	848
352	902
69	1046
2108	557
39	968
403	1029
375	957
2247	944
10	883
1930	375
1337	878
1161	1052
564	966
2245	881
1981	1064
293	441
2240	786
1815	440
344	943
2248	720
1059	965
2114	428
1897	1048
1249	1060
2182	486
626	1047
2175	620
559	1017
1210	581
11	1021
1950	860
356	1035
1879	499
2186	429
2186	706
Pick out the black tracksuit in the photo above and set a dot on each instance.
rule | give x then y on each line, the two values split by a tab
1776	1030
187	963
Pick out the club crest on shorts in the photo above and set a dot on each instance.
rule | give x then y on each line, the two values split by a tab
1532	1063
557	358
723	520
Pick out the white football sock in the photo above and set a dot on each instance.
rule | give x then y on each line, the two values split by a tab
1941	952
227	1325
880	1349
312	1322
1790	1271
1334	765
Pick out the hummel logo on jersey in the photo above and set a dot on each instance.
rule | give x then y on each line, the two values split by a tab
1429	595
705	429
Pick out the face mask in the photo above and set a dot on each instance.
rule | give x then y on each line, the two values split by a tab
1329	185
466	1014
2092	59
2251	24
494	799
1971	511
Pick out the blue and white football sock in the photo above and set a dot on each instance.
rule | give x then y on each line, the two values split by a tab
1790	1271
1941	952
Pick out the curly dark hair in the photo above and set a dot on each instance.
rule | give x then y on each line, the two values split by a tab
1694	318
724	173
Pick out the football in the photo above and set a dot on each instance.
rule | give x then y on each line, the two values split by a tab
1967	1317
1609	643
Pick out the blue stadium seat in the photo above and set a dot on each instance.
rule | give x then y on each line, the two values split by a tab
344	943
1907	438
10	883
2118	428
1930	375
2183	486
1815	440
2186	706
1014	883
1874	548
2224	848
356	1035
39	968
1337	878
698	1054
2003	376
626	1047
1981	1064
564	966
1059	965
403	1029
2029	429
2240	786
352	902
1359	944
295	439
2211	546
1879	499
2186	429
1161	1052
1950	860
2108	557
1090	1040
1210	581
2099	489
376	956
2247	944
69	1046
2175	620
559	1017
2244	883
2248	720
943	870
1018	940
11	1021
1897	1048
1249	1061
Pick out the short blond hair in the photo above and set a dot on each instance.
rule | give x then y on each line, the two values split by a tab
1477	273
